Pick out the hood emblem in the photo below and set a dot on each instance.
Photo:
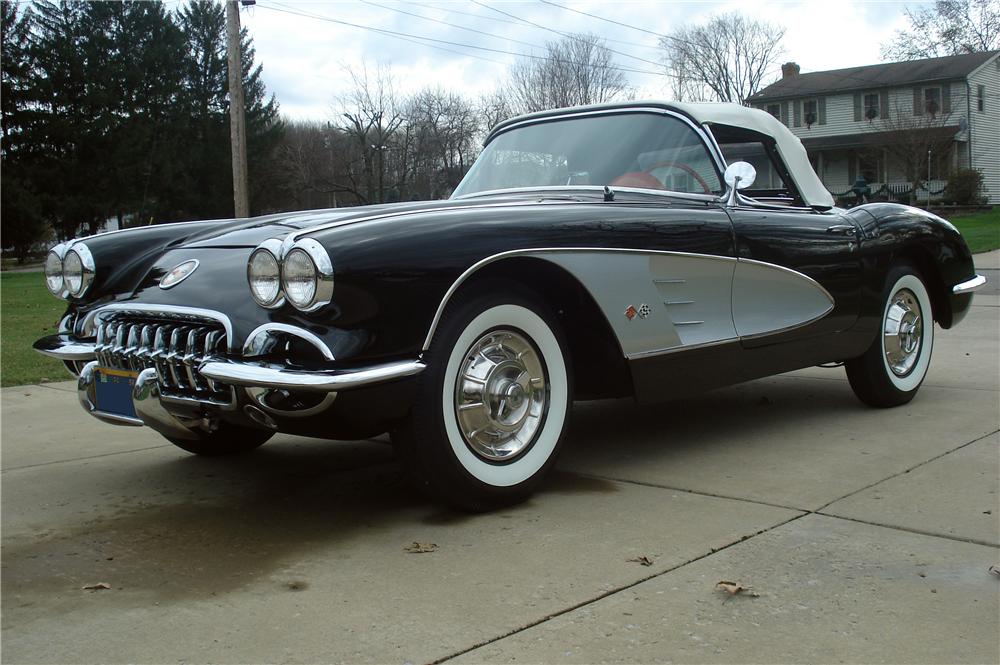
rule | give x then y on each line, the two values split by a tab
179	273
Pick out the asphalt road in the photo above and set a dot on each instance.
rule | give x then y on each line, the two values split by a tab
865	535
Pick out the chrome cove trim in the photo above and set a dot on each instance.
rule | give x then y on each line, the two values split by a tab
970	285
63	347
259	375
258	342
166	311
809	300
555	250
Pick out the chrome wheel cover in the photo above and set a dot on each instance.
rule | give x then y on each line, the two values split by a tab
501	395
903	332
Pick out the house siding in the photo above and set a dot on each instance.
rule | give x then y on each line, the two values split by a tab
986	127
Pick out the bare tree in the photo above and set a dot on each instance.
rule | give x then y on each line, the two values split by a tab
443	126
911	140
494	107
950	27
577	70
373	116
726	59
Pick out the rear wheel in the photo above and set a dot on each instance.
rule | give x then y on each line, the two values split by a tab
227	439
492	404
891	370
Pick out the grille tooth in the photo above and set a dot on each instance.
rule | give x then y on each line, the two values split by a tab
188	359
172	358
211	340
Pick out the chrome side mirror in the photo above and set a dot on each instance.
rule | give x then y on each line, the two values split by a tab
739	175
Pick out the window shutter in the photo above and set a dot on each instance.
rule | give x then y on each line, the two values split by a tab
857	107
784	113
946	98
883	97
918	101
852	168
797	112
822	110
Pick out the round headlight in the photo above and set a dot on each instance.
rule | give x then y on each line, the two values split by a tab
54	273
264	277
298	277
73	272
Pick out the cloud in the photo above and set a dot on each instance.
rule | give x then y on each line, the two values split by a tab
306	57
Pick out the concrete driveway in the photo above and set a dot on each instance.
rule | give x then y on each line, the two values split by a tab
866	535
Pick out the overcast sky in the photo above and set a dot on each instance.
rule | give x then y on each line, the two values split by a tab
305	55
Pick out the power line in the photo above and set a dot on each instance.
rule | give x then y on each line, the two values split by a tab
409	37
452	25
606	20
566	34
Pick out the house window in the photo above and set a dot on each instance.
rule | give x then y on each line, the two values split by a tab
871	106
872	166
981	98
775	109
932	100
810	112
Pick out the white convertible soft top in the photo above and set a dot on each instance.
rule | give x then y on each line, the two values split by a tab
789	146
718	113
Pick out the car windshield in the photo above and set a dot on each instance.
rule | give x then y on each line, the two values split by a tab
643	150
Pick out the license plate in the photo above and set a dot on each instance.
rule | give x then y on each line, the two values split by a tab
114	391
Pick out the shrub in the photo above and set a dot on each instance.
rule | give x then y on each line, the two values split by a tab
965	187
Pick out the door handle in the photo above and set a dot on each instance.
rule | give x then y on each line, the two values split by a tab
844	229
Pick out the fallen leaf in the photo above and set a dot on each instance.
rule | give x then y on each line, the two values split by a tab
97	587
733	589
995	570
644	560
420	548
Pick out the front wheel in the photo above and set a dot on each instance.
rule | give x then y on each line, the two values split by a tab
227	439
492	404
891	370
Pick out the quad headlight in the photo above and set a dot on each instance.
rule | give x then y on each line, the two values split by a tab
264	275
69	270
303	275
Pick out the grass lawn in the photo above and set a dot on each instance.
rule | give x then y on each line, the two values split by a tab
981	231
27	311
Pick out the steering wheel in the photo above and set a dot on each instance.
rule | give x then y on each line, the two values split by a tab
647	180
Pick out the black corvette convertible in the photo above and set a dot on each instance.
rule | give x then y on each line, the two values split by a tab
647	249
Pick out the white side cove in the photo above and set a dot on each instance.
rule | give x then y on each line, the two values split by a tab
680	301
768	299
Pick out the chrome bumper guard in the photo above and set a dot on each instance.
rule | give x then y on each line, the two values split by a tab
968	286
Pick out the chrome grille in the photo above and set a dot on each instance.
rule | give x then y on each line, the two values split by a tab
174	349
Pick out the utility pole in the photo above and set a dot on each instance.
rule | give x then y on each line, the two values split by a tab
237	116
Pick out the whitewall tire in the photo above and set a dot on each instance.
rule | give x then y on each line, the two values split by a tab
894	367
492	405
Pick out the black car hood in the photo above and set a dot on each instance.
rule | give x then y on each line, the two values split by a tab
250	233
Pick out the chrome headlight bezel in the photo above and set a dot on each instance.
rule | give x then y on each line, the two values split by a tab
272	248
322	275
59	254
55	256
81	252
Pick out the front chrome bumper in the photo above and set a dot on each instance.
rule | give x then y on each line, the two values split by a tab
970	285
177	417
257	374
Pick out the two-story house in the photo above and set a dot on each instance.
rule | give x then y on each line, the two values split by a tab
895	123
